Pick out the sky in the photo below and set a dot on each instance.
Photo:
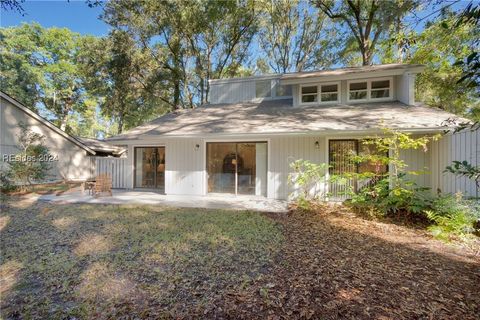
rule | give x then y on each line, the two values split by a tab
73	14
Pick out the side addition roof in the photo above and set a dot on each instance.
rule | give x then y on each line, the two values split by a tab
44	121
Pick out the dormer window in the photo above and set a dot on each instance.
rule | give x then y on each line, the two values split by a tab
271	89
370	90
324	93
358	90
309	94
380	89
263	89
329	92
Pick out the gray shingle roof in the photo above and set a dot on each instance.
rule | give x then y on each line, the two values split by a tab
279	117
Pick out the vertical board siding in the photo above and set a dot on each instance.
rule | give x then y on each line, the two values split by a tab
285	150
115	167
232	92
460	146
184	166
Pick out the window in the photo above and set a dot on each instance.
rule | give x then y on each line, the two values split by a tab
309	94
263	89
370	90
329	92
283	90
358	90
380	89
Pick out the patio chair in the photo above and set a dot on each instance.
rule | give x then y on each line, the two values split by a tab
103	183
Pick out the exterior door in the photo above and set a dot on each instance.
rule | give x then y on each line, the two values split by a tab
237	167
150	168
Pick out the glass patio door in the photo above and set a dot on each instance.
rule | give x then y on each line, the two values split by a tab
150	168
237	167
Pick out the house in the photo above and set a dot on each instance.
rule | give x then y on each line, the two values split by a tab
244	140
71	158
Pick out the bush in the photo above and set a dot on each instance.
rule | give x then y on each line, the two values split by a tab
30	164
454	217
381	199
6	184
307	178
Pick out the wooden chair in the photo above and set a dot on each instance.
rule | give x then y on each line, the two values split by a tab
103	183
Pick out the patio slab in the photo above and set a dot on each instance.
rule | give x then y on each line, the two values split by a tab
154	198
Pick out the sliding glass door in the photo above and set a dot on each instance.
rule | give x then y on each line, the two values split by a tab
150	168
237	167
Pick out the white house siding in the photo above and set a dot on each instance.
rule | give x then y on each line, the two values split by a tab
461	146
283	151
232	92
419	161
186	165
73	162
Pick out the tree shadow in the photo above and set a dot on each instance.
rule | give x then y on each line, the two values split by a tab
332	268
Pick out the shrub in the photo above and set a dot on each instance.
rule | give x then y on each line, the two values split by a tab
454	217
30	164
381	199
6	184
307	178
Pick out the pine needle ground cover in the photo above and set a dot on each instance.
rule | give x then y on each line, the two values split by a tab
110	261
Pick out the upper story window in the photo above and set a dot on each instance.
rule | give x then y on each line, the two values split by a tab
271	89
370	90
322	93
263	88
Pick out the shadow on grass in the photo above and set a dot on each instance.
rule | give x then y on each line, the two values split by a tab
109	261
105	261
336	268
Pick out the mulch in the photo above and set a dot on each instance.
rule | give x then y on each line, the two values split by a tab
336	266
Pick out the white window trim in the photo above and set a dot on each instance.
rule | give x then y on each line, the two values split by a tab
319	93
369	90
308	94
339	92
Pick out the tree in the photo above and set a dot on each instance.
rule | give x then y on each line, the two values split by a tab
190	41
293	37
13	5
119	74
31	163
438	85
40	66
367	20
20	74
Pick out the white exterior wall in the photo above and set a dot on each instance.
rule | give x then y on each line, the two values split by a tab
186	165
232	92
461	146
73	162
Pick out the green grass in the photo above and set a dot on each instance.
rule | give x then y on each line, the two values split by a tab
92	261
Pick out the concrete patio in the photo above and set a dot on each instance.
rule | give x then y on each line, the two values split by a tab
153	198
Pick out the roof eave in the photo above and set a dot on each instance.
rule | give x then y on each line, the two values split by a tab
303	79
45	122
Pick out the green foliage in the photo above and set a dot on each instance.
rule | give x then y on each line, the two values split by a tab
380	199
367	21
453	217
463	168
31	163
294	36
392	192
40	65
6	183
307	178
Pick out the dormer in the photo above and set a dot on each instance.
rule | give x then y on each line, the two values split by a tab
378	83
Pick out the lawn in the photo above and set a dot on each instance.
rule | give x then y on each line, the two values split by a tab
109	261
